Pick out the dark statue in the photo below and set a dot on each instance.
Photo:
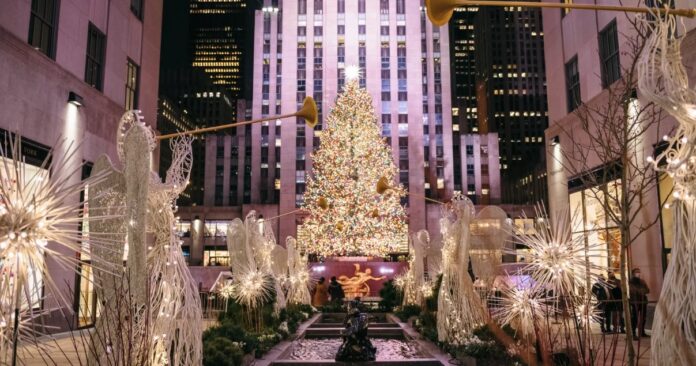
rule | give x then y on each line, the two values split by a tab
356	347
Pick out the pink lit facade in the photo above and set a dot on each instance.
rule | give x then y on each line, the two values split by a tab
44	56
574	55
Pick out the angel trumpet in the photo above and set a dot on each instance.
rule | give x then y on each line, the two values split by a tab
440	11
308	112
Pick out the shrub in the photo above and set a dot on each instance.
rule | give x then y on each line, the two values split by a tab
426	324
391	296
407	311
221	351
233	332
486	348
431	301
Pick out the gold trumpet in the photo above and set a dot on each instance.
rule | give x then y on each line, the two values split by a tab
440	11
308	112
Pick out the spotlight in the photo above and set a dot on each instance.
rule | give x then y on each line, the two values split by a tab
75	99
555	141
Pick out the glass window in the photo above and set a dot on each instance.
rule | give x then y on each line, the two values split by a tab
94	67
183	229
572	84
591	218
42	26
132	81
216	256
400	6
609	54
215	228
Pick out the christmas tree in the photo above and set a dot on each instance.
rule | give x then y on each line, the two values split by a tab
346	214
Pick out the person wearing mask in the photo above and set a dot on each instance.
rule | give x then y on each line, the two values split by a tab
336	291
321	293
616	305
639	291
600	290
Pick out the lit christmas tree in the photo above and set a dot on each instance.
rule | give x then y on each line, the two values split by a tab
346	214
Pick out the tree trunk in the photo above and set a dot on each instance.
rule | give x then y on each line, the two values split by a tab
626	306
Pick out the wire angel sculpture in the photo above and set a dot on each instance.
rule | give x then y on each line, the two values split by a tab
252	281
487	242
163	314
299	275
460	309
414	279
663	80
40	218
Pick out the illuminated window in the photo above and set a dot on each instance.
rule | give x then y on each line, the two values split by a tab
592	220
132	81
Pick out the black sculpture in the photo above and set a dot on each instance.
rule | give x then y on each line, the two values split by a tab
356	347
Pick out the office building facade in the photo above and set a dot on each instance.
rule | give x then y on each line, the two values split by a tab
499	85
70	69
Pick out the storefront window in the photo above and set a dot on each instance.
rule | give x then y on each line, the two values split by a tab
591	218
216	228
183	229
216	256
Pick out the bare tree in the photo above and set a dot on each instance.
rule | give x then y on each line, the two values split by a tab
608	142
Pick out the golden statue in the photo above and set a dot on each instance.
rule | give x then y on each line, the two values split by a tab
357	286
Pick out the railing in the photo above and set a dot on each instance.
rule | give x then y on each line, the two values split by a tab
212	305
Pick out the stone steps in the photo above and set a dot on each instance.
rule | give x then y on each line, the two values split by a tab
373	332
414	362
340	325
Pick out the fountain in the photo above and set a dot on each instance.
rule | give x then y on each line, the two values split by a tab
341	339
356	346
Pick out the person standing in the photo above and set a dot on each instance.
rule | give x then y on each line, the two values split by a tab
601	293
639	291
616	305
336	291
321	293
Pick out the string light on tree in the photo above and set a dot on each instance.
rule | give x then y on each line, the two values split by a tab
346	215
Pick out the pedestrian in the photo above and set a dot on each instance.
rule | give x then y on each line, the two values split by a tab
321	294
616	297
336	291
600	290
639	291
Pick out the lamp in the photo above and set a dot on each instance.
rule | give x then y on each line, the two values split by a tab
75	99
555	141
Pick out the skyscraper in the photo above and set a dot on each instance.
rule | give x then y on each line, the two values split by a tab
499	85
221	43
206	68
302	48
